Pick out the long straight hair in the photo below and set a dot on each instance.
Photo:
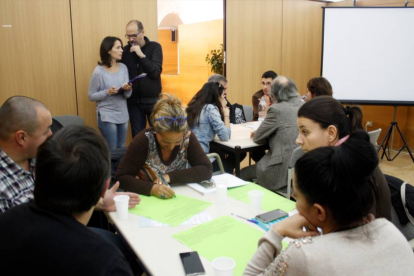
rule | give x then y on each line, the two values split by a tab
209	94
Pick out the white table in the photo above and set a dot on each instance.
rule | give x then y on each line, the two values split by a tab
155	246
240	142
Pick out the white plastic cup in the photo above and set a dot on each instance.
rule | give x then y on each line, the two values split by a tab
221	195
255	197
223	266
121	204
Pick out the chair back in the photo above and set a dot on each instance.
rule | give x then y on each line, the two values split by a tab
66	120
373	136
296	154
215	157
248	112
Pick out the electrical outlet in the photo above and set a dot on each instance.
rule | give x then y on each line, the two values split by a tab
369	123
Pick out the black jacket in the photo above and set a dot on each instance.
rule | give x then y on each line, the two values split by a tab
145	90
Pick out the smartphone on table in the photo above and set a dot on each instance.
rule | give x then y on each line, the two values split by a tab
272	215
192	263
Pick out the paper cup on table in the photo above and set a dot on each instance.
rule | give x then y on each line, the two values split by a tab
223	266
121	204
255	198
221	195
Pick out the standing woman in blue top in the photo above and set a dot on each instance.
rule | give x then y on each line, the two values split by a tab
111	107
208	115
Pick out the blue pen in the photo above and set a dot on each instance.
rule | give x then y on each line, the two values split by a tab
249	220
165	181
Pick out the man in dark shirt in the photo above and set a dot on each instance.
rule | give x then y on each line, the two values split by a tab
267	79
49	235
142	57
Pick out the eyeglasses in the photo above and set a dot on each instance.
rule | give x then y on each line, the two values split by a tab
170	120
221	86
133	35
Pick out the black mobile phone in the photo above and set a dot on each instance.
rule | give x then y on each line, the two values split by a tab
192	263
272	215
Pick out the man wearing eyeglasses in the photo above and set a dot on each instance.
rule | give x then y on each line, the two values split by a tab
142	57
267	79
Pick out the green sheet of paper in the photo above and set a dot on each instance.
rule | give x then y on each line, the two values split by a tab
270	200
223	237
172	211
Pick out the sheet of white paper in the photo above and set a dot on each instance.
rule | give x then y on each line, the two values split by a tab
253	125
232	181
197	219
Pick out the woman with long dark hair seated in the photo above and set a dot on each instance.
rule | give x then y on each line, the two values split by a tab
323	121
333	192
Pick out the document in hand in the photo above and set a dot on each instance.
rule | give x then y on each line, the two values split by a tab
232	181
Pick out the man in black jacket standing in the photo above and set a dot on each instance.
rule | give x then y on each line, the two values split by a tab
142	56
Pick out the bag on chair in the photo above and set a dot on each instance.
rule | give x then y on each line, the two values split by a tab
237	114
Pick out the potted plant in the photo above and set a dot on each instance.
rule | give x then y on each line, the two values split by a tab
215	59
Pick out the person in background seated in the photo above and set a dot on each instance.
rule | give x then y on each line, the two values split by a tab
322	122
72	175
333	193
228	158
267	79
111	106
318	87
24	125
160	154
279	131
205	115
266	83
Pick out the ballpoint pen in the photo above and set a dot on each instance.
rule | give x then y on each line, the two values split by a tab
165	181
249	220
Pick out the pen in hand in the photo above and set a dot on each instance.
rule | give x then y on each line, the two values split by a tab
165	181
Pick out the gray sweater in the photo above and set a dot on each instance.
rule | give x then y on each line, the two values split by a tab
113	109
377	248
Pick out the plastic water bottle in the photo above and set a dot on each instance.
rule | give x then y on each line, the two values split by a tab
262	108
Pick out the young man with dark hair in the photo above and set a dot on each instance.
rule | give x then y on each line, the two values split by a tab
72	175
267	79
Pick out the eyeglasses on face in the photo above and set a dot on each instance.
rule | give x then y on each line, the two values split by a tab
133	35
170	120
221	86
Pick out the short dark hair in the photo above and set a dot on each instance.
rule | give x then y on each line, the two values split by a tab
269	74
283	88
319	87
138	23
106	46
208	94
327	111
19	113
72	167
338	177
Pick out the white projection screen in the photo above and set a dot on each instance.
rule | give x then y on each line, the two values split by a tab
368	54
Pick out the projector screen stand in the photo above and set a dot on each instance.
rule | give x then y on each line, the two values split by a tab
387	137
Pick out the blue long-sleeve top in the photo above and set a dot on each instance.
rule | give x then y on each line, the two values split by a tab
210	125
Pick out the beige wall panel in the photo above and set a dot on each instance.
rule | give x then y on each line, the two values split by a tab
302	41
36	53
254	45
170	52
92	22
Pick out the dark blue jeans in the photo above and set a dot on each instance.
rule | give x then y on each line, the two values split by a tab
114	134
139	114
